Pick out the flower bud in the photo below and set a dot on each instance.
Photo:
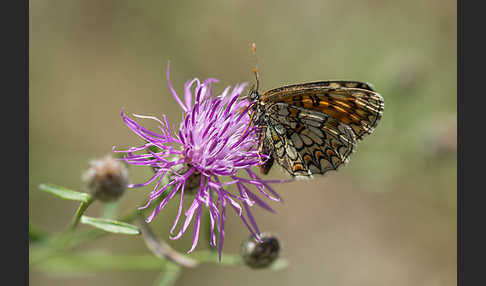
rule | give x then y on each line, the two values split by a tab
260	254
106	179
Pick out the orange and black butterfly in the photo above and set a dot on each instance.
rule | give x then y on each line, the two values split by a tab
312	128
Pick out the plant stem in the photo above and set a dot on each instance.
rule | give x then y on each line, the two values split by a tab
160	248
96	233
110	210
61	241
79	213
65	240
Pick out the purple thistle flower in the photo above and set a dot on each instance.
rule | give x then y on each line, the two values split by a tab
211	146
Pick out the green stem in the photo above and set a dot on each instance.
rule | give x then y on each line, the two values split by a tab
79	213
128	218
65	241
110	210
60	242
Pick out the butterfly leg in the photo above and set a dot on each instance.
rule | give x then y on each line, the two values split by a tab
263	149
262	140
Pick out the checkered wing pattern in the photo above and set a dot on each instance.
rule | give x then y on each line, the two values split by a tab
305	142
352	103
314	127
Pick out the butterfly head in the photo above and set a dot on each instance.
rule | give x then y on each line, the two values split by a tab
253	94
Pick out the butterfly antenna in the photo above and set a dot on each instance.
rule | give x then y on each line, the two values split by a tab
255	70
257	77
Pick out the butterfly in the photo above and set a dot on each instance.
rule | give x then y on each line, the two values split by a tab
312	128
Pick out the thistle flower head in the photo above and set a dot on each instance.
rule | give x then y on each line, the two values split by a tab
208	153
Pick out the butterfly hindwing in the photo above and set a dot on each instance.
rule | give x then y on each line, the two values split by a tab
305	142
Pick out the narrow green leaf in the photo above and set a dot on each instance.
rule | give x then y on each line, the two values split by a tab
169	275
110	225
65	193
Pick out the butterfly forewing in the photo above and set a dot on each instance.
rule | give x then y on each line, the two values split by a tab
319	84
359	108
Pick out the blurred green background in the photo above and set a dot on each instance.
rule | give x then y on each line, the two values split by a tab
387	218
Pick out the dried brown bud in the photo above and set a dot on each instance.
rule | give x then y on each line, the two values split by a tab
107	179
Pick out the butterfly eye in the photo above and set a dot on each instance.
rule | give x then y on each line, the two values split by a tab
254	95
